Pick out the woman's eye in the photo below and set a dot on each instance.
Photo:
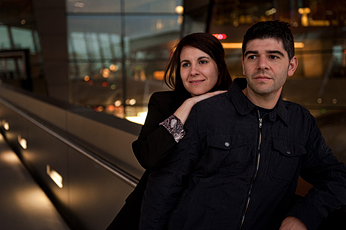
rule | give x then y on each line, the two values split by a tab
185	64
203	61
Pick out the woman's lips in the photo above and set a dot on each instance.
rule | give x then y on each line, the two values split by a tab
196	82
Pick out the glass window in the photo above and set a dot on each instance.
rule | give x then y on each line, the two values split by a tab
77	46
74	6
99	84
4	38
94	38
150	40
37	42
23	39
152	6
120	54
17	36
147	32
150	25
12	67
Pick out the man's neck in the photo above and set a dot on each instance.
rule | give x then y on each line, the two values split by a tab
266	101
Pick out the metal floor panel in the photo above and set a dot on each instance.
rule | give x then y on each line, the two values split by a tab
23	204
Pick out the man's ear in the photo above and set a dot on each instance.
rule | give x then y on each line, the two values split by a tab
292	66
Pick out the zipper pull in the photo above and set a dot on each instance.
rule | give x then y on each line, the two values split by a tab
260	123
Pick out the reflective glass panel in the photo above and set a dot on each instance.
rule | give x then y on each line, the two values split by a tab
154	28
140	39
4	38
94	37
99	85
77	6
23	39
152	6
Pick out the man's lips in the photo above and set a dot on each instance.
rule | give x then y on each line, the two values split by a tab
262	78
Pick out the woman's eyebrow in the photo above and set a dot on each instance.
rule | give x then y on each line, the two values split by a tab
199	58
202	57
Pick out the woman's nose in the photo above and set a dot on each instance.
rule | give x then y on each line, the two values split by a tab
194	70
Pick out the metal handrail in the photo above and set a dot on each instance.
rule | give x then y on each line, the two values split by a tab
129	179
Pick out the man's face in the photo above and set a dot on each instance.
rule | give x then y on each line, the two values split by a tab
266	66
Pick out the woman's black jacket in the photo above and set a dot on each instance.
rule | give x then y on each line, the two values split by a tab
152	146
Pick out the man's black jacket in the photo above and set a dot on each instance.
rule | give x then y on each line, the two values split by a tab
235	170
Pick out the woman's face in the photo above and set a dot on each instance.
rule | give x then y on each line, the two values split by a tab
199	72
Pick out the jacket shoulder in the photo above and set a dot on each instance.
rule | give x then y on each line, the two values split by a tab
295	107
219	100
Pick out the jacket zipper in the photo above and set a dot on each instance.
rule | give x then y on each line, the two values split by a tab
260	119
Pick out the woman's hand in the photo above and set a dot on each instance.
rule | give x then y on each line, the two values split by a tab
184	110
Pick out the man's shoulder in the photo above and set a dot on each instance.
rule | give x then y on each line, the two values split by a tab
215	101
296	110
291	105
213	105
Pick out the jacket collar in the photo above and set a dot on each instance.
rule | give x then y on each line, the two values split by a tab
244	106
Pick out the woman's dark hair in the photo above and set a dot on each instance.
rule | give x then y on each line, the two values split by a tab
209	45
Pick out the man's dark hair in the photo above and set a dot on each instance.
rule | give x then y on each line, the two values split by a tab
271	29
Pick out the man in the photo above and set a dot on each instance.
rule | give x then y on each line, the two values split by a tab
239	163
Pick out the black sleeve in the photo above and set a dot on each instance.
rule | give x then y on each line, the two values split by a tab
154	141
166	184
328	177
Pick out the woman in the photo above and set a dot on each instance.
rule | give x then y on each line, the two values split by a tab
196	71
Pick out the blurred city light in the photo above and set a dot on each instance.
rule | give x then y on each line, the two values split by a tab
139	119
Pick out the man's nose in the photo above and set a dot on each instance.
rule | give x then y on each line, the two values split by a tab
262	63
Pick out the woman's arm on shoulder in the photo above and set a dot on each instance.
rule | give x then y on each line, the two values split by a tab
184	110
156	141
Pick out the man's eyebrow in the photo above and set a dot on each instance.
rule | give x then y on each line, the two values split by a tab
268	52
275	52
250	52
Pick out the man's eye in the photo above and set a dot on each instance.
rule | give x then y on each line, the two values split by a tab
251	56
273	57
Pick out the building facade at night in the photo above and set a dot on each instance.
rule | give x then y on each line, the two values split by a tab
110	55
